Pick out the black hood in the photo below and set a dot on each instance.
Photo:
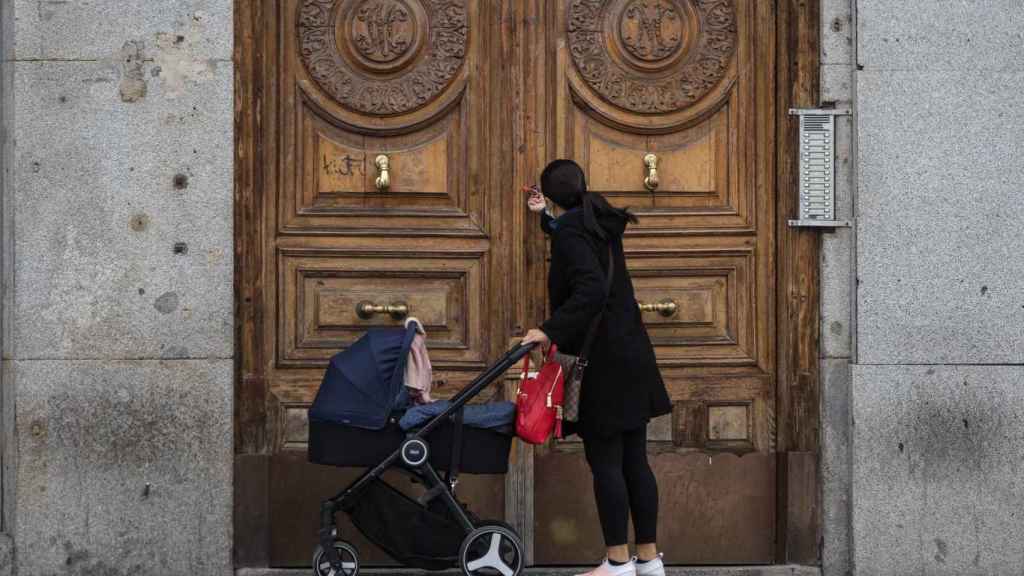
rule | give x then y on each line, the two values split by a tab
613	223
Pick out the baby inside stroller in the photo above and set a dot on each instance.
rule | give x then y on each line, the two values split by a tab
353	422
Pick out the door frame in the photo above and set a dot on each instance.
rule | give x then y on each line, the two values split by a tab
798	312
798	501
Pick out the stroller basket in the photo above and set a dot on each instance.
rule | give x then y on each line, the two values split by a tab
407	531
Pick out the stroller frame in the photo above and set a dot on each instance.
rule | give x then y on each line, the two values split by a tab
413	458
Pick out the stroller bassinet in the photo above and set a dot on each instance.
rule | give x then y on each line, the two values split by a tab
353	423
482	451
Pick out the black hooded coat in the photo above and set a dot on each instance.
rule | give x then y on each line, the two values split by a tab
622	387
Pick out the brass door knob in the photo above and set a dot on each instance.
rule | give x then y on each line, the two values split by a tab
383	175
396	310
666	307
651	166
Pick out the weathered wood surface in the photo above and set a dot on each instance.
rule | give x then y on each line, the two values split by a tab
450	239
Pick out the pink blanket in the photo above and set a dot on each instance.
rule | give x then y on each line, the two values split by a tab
418	372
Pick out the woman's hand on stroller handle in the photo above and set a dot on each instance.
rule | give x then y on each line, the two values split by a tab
536	336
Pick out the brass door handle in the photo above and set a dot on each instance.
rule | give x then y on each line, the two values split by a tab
383	175
651	166
396	310
666	307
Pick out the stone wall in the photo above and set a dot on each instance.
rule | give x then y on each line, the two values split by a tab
119	334
6	242
836	329
938	378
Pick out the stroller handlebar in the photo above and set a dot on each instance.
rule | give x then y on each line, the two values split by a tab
519	351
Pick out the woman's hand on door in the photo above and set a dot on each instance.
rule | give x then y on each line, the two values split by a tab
536	201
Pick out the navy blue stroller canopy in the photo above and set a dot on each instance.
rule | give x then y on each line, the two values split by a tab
364	383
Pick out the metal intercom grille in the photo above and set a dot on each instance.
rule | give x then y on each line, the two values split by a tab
817	149
817	171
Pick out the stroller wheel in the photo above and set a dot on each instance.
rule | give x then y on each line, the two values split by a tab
492	549
349	560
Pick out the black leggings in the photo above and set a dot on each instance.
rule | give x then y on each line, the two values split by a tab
623	481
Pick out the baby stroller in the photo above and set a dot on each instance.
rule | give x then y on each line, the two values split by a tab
353	423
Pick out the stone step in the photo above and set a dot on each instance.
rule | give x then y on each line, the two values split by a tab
780	570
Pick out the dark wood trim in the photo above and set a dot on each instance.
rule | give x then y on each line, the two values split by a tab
250	542
797	390
251	514
801	538
527	32
250	392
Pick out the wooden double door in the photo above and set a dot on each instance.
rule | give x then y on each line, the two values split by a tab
390	142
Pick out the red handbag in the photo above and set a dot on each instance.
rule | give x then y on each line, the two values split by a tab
539	401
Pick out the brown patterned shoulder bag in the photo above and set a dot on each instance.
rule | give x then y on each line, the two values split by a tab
575	365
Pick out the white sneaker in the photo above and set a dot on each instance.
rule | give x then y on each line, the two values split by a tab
607	569
653	567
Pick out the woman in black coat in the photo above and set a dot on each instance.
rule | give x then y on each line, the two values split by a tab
622	388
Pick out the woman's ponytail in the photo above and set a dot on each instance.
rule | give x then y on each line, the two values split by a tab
595	206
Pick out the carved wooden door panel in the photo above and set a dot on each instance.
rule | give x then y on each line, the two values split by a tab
668	105
381	202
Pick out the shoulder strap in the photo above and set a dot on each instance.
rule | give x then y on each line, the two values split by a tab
592	331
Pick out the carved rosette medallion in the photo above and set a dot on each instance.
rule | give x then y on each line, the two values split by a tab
382	32
382	57
663	55
650	31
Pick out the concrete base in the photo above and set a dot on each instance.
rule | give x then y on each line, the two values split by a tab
937	471
835	467
569	571
124	467
6	554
